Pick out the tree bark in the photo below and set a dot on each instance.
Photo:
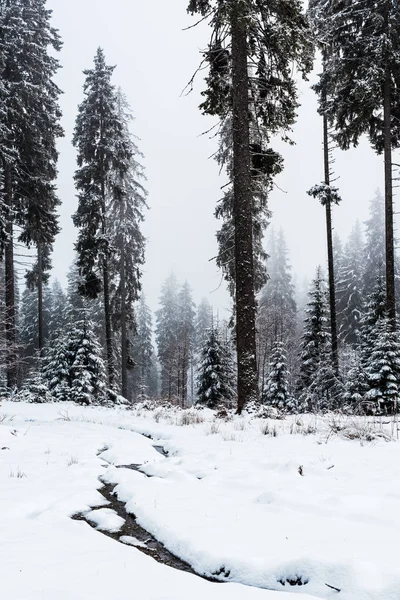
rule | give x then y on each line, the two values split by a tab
243	214
40	300
331	266
124	334
10	325
389	236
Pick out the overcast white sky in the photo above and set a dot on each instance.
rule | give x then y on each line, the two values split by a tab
155	58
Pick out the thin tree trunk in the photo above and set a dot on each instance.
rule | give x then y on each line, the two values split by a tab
106	294
331	266
124	335
107	317
10	325
243	215
40	301
389	236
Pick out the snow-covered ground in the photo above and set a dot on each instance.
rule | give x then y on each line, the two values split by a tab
257	502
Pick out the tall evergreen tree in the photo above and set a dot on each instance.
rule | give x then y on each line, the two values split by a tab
203	322
359	89
29	99
143	353
276	391
186	337
260	98
277	305
383	367
167	338
98	132
213	382
315	339
125	208
350	288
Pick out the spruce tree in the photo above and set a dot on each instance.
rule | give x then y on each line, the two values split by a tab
167	338
203	322
359	89
186	334
269	37
87	372
383	368
125	213
143	352
98	131
355	381
29	104
276	391
213	387
276	319
350	288
315	339
374	250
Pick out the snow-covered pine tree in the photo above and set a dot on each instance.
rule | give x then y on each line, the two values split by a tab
350	288
374	249
276	392
213	386
374	311
29	103
56	367
74	366
355	382
28	328
167	338
141	378
203	322
98	131
125	213
261	101
315	338
277	307
58	317
87	372
186	334
383	368
360	89
326	390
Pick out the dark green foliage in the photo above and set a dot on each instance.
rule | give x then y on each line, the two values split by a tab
214	383
315	339
364	42
276	391
383	367
350	297
97	131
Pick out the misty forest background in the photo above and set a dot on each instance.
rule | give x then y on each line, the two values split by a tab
288	344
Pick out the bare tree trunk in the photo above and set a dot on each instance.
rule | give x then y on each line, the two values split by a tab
331	266
106	294
40	300
389	236
243	215
124	335
107	317
10	325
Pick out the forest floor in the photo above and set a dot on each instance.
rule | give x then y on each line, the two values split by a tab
305	505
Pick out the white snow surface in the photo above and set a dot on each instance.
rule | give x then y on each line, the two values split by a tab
105	519
227	499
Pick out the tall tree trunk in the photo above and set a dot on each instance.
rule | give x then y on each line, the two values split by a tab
124	334
389	236
243	214
40	300
107	318
10	325
106	294
331	266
